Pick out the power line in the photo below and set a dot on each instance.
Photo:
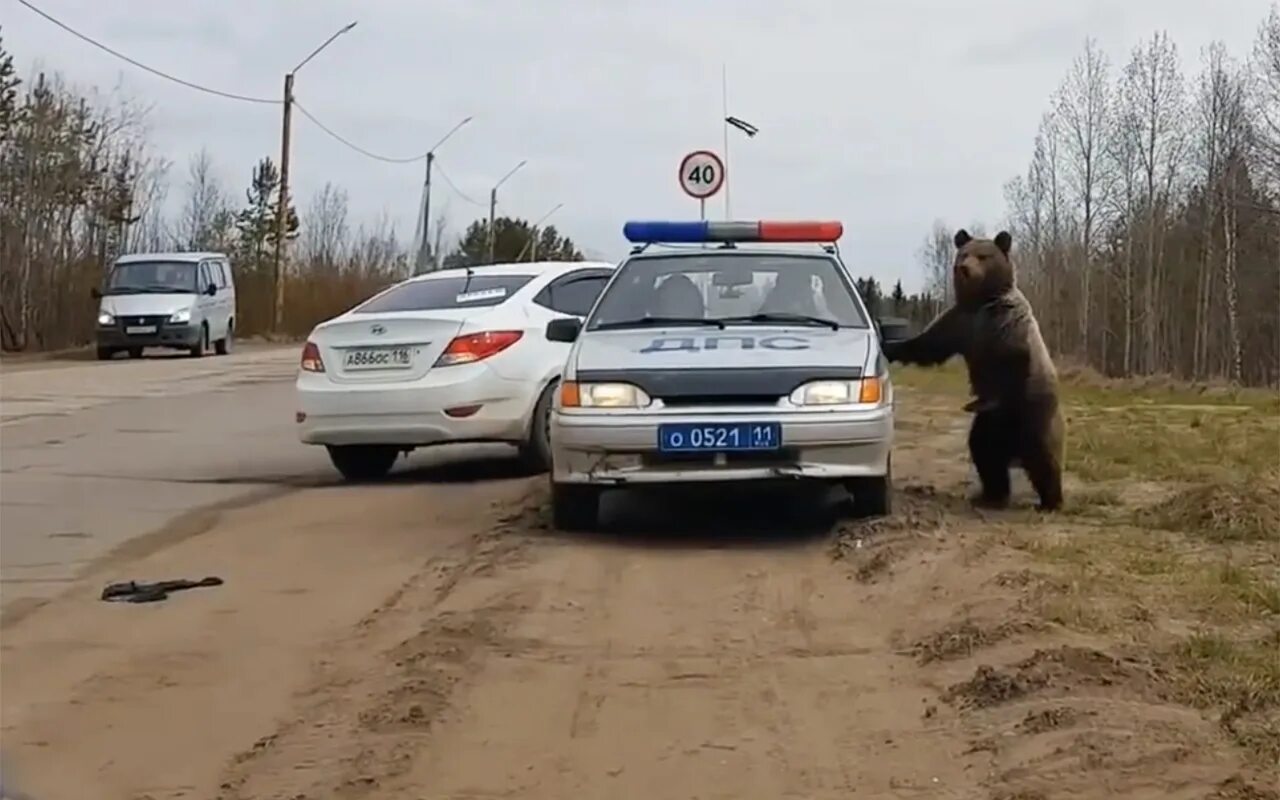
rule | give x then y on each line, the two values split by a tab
353	145
152	70
455	188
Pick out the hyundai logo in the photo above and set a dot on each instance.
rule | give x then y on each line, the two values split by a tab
377	330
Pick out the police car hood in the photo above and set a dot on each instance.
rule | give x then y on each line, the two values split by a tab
754	346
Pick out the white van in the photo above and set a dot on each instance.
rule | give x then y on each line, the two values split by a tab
182	301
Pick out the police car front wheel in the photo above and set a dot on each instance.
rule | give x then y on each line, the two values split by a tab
872	497
575	507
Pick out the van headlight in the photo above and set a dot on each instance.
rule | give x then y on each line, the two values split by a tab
106	319
837	393
602	395
181	316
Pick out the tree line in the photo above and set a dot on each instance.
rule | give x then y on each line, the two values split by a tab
81	185
1147	225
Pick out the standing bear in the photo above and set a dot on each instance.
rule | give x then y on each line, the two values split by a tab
1018	419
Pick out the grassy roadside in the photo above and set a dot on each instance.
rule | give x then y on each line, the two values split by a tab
1170	544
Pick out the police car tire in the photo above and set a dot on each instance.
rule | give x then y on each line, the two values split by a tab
574	507
873	497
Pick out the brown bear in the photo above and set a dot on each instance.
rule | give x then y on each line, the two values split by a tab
1018	419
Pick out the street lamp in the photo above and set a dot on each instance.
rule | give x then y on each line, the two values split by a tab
493	205
533	235
424	247
281	212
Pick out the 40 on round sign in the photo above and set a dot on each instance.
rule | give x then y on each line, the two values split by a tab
701	174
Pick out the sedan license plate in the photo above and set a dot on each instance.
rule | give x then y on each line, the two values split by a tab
139	329
719	437
378	358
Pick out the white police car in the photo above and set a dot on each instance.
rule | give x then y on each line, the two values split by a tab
715	361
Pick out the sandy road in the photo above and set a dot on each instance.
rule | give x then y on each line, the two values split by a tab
431	638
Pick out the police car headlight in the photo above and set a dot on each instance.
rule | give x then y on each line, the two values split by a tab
106	319
602	395
181	316
835	393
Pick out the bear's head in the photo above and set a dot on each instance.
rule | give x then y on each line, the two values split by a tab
982	270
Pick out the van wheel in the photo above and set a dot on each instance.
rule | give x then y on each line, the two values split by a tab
363	462
535	452
223	345
106	354
201	346
575	507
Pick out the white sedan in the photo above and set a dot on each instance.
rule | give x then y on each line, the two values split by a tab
452	356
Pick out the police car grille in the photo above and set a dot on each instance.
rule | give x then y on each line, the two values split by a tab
680	401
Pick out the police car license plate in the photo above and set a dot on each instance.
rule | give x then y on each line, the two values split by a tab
378	358
139	329
719	437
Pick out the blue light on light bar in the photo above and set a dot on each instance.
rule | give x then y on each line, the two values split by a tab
733	231
678	232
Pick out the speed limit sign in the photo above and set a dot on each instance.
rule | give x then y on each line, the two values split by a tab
701	174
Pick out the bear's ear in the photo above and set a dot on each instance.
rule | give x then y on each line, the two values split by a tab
962	238
1004	240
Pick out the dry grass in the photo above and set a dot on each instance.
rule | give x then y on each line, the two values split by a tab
1169	543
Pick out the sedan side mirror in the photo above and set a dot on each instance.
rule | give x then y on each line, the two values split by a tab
211	289
564	330
95	293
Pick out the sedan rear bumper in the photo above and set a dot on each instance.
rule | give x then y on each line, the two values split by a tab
415	414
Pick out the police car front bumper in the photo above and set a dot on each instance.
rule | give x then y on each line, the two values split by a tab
618	450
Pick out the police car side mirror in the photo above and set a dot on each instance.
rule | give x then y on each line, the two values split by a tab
211	289
95	293
564	330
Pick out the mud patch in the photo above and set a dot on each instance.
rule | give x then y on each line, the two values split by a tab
965	638
1062	669
1237	788
872	546
1051	719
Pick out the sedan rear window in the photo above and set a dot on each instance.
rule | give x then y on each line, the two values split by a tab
436	293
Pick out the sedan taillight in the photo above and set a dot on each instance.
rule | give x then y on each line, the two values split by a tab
311	361
477	347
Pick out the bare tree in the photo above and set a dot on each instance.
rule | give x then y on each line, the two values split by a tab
1152	90
205	205
936	259
1082	106
324	228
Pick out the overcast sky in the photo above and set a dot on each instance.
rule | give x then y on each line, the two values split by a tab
885	114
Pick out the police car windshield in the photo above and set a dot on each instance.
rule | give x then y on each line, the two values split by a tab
729	288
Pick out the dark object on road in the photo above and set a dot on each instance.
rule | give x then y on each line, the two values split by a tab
134	592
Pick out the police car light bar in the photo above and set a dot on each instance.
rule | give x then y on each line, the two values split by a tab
716	231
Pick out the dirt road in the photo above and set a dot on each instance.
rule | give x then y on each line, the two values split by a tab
432	638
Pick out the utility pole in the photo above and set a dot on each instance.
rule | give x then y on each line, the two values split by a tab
425	249
493	208
282	208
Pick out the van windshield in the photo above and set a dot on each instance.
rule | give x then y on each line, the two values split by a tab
142	277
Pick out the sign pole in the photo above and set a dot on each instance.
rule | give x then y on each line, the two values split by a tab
702	208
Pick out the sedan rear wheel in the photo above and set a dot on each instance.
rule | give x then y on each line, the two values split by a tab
363	462
535	452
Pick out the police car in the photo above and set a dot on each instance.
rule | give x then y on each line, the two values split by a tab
722	351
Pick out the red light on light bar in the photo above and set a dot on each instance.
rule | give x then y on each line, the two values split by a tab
801	231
